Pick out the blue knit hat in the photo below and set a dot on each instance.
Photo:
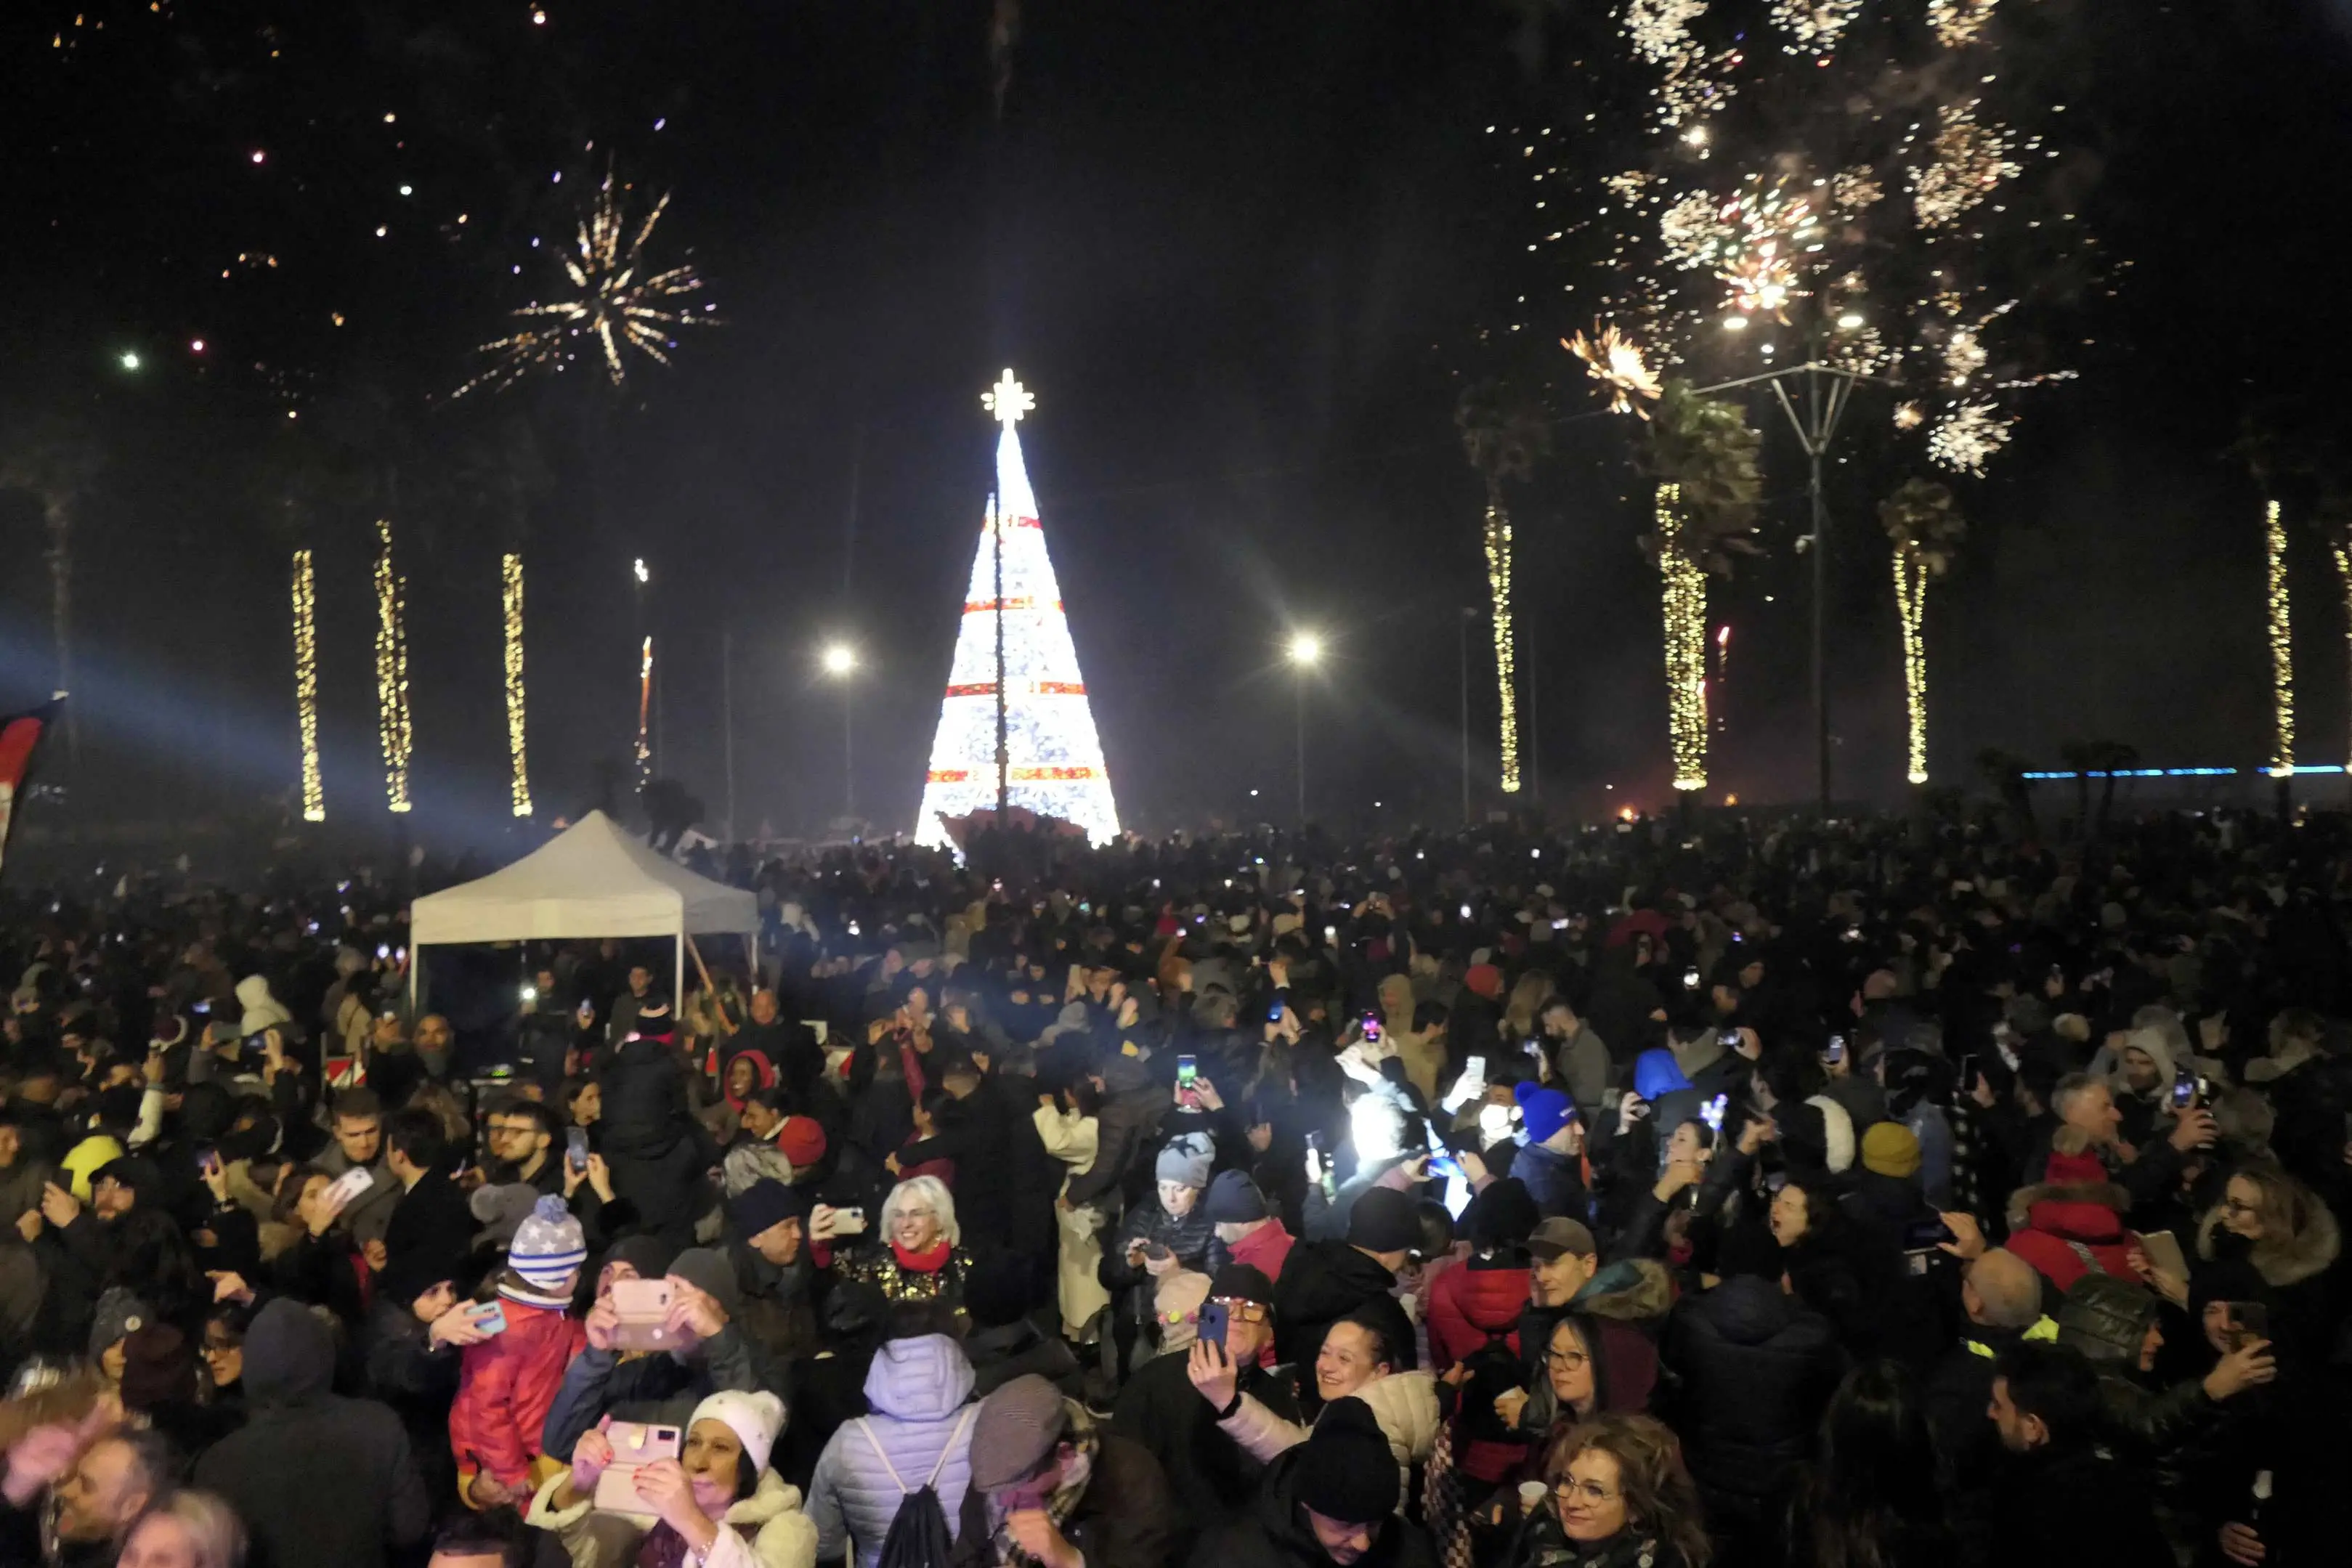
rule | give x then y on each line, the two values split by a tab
1542	1110
1657	1075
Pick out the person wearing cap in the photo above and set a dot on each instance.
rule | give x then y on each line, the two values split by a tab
1050	1486
1162	1233
718	1504
1328	1502
1162	1408
507	1382
1251	1232
1323	1281
1617	1305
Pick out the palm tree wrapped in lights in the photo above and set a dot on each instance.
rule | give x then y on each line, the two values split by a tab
1926	529
1503	439
1702	454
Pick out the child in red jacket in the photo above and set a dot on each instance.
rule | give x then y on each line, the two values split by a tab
508	1380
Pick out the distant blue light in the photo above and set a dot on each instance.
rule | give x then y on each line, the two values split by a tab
2040	775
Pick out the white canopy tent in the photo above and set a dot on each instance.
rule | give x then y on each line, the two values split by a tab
593	879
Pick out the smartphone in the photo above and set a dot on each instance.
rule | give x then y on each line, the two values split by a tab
1187	1069
1372	1027
1836	1052
849	1222
1443	1164
490	1317
1923	1235
1965	1079
575	1148
208	1160
634	1446
530	993
350	1184
1274	1013
383	951
643	1306
1315	1140
1690	979
1476	1067
1213	1320
201	1008
2184	1090
1157	1252
2248	1321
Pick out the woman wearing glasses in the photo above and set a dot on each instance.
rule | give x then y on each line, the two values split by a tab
1619	1498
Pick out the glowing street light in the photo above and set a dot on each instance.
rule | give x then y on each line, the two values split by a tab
1306	652
1306	649
840	658
839	661
129	361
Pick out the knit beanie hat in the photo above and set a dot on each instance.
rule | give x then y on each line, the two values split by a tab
996	1289
1483	980
1750	1249
1543	1111
1176	1305
1384	1221
707	1270
763	1205
1502	1214
118	1316
501	1209
1890	1149
549	1247
1346	1471
758	1419
1656	1074
158	1368
1234	1200
1017	1427
1186	1159
801	1141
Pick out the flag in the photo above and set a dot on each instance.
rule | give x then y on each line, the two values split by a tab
20	736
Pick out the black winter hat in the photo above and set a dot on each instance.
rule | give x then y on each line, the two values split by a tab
1384	1221
1234	1200
1242	1282
1346	1471
764	1204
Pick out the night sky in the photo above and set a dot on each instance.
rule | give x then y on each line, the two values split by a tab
1239	250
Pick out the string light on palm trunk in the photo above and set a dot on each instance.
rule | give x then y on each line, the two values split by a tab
518	759
2342	551
1507	663
1684	602
1911	601
306	685
645	714
393	729
2282	648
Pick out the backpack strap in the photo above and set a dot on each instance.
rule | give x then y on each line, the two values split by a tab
962	1427
2090	1259
875	1444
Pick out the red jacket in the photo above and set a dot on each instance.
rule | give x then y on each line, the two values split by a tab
1468	1306
2056	1226
1264	1248
504	1388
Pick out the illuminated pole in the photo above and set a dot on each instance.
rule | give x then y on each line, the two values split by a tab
2282	649
1498	587
1911	604
645	678
306	685
2342	550
392	727
841	663
518	759
1306	652
1816	428
1682	606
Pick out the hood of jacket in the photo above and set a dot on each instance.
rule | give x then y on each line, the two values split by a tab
289	1355
2085	1219
1634	1290
1749	1309
772	1498
1405	1405
2284	1260
1489	1294
262	1011
920	1379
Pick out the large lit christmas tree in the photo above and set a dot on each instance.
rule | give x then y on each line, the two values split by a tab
1014	725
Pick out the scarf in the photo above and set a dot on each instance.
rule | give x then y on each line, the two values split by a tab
930	1260
662	1547
1078	1431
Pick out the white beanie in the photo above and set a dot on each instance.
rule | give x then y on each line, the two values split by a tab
1837	1133
756	1418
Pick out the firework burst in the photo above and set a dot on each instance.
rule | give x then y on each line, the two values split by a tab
1614	359
618	306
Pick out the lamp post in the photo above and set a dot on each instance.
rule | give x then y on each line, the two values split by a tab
1306	652
841	663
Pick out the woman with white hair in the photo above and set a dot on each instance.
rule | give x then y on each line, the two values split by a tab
186	1530
917	1253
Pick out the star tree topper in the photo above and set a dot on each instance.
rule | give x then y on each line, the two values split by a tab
1008	400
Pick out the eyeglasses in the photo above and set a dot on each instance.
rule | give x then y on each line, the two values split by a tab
1566	1360
2234	1206
1239	1310
913	1213
1569	1491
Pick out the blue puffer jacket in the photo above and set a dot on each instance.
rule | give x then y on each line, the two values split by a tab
917	1390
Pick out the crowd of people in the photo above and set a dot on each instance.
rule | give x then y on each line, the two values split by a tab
1868	1194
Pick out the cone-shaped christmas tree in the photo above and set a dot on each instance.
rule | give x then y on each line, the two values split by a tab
1015	673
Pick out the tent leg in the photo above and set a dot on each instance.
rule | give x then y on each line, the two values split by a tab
677	986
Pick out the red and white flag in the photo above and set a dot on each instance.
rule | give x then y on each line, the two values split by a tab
20	738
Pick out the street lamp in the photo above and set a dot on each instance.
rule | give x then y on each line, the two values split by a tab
1306	652
840	662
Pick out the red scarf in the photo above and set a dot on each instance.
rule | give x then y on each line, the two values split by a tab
930	1260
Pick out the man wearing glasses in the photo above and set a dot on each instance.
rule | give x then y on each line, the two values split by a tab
524	1142
1211	1477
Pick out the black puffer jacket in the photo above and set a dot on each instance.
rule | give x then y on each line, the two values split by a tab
1756	1368
1322	1281
2107	1320
656	1148
1192	1238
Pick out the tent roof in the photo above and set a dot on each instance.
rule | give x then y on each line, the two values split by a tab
593	879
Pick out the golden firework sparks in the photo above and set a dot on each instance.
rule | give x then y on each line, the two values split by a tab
1616	360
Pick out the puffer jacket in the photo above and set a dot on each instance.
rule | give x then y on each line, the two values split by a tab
917	1390
1756	1368
1192	1238
505	1386
1474	1303
2047	1224
2107	1320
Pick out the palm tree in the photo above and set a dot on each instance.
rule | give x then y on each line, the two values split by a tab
1926	529
1503	438
2300	455
2076	755
58	465
507	463
2005	772
306	488
1702	454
